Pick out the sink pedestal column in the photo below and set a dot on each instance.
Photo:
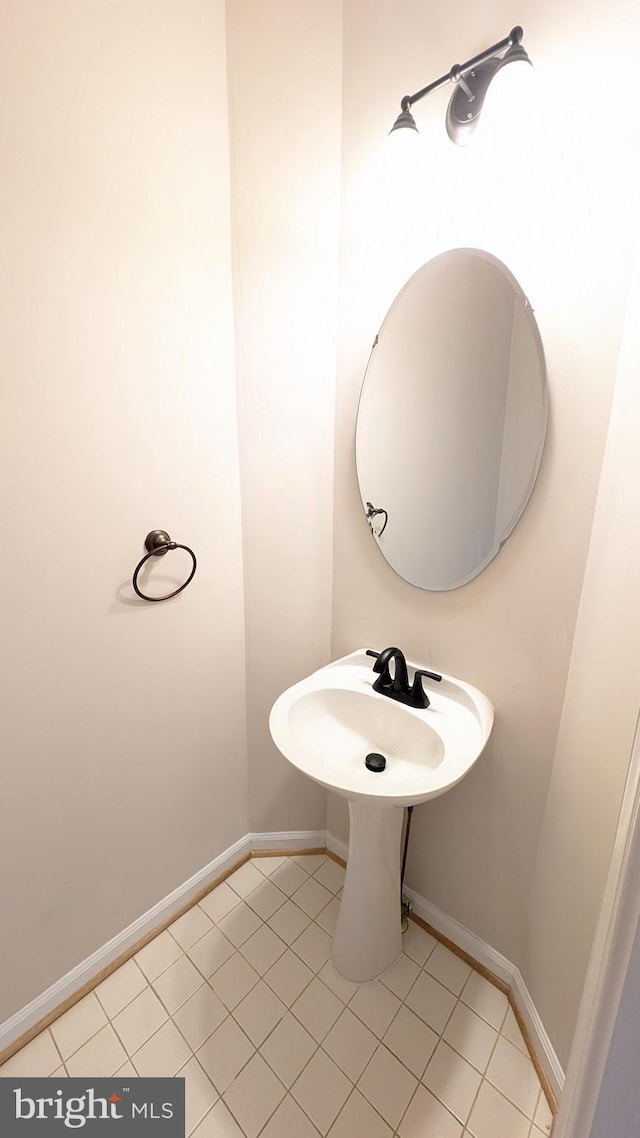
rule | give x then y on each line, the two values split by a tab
368	937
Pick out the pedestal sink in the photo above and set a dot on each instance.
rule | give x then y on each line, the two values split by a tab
326	725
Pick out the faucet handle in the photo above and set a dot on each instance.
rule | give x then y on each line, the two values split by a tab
418	696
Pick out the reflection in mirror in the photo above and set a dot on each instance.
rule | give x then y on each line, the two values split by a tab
452	419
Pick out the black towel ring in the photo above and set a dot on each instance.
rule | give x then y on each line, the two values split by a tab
158	543
372	513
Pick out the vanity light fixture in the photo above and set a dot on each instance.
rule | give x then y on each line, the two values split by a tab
471	80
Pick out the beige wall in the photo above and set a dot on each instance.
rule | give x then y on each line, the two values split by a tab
598	721
556	208
123	730
285	83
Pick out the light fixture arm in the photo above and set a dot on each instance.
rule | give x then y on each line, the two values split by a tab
459	70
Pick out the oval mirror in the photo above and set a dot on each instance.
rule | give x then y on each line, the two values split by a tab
451	420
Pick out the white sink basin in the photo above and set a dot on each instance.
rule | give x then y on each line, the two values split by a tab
328	723
325	726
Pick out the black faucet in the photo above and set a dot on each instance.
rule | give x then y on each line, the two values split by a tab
397	686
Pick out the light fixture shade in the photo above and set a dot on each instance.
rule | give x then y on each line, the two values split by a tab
515	54
508	111
404	120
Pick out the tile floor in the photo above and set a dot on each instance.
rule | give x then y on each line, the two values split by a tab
239	996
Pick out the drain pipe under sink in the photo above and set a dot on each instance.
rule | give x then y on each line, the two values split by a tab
405	906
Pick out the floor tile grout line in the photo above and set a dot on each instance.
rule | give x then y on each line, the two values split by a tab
256	911
318	1047
287	1093
185	949
315	976
97	992
256	1051
273	962
354	1088
398	1057
345	1003
464	1057
195	1126
441	1039
465	1124
207	896
245	1065
49	1032
194	1055
534	1113
131	1055
541	1097
188	1043
175	939
306	1112
302	1069
81	1045
504	1094
420	1084
205	1115
380	1041
484	1078
185	1001
367	1099
153	941
483	1018
234	948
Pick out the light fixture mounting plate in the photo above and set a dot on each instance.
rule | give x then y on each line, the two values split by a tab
463	113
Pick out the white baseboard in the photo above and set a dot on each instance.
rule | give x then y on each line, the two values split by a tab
490	958
83	973
56	995
543	1046
289	840
462	937
494	961
337	846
